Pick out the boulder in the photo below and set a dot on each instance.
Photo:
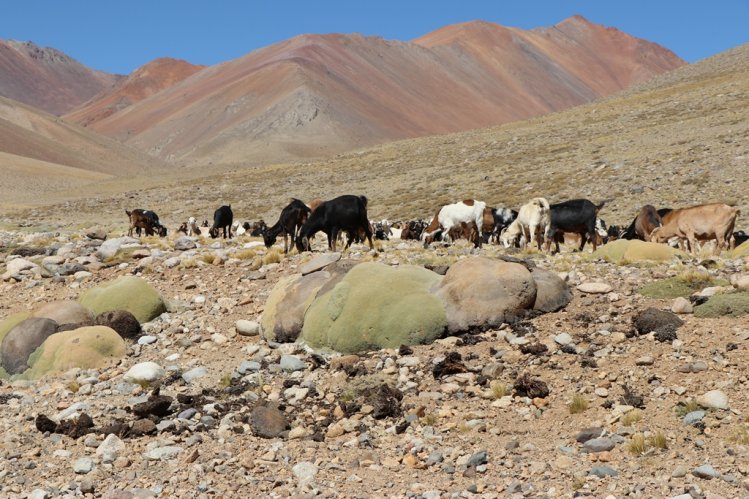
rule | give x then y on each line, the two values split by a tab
483	292
320	262
67	314
652	319
11	321
90	347
552	293
109	248
22	340
375	306
623	251
126	293
185	243
122	321
289	300
17	265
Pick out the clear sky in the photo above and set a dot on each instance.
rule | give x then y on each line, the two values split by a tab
119	36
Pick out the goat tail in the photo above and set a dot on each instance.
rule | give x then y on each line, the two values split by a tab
128	213
599	207
364	200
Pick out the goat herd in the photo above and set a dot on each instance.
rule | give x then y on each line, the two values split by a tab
535	223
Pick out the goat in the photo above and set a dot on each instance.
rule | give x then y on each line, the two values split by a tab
147	220
222	219
289	222
699	223
577	216
346	213
448	215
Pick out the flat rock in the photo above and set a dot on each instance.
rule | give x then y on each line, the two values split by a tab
292	363
594	288
694	417
163	453
320	262
706	471
588	434
600	444
714	399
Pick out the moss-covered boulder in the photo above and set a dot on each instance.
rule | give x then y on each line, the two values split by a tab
67	314
740	251
483	292
376	306
283	316
11	321
126	293
87	347
623	251
728	304
22	340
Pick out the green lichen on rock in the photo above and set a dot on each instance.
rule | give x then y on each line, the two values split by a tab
288	302
12	321
623	251
87	347
683	285
740	251
724	305
126	293
376	306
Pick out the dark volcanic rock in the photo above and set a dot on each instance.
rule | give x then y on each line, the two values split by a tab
122	321
656	320
451	365
526	386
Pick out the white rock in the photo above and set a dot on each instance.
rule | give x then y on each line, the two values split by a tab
83	465
304	472
163	453
563	339
110	448
681	306
247	328
714	399
594	287
144	372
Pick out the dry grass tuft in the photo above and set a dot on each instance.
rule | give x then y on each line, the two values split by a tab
632	417
578	405
638	445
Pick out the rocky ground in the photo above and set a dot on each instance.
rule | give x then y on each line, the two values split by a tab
573	403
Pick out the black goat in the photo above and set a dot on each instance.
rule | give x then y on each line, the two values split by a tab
223	217
346	213
292	218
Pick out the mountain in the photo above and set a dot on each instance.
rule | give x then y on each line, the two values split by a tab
142	83
315	95
41	154
46	78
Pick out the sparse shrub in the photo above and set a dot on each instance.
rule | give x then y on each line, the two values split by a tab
273	256
74	386
631	417
684	408
226	380
246	254
659	441
741	436
638	445
499	389
189	263
579	404
207	258
428	420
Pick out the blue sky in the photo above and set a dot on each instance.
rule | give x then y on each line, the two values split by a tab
117	37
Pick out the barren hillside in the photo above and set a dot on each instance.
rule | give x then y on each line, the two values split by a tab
676	141
41	154
46	78
143	82
314	95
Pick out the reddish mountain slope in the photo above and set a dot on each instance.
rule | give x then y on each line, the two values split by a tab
46	78
143	82
320	94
